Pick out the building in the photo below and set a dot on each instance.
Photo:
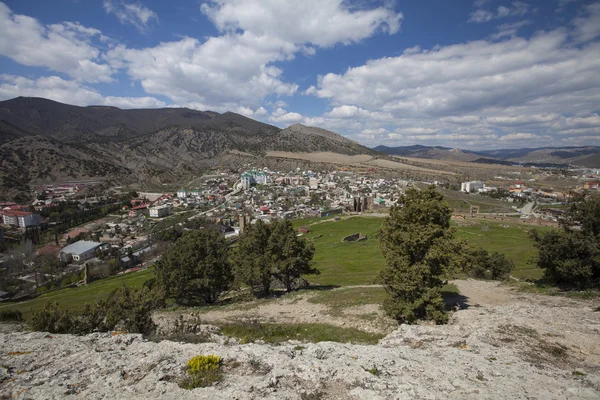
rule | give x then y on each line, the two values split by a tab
591	185
160	211
79	251
182	193
253	178
22	219
472	186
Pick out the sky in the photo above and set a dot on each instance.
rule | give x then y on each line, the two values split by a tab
481	74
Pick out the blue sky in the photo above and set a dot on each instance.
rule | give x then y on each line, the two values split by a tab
470	74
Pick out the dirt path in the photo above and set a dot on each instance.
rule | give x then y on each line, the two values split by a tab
486	293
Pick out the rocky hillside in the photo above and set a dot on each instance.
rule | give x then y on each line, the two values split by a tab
44	141
501	345
588	156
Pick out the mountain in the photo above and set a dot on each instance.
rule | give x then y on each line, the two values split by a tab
43	141
430	152
588	156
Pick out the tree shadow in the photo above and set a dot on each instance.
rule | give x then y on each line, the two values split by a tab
455	301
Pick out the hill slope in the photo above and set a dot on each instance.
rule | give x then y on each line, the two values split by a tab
584	156
43	141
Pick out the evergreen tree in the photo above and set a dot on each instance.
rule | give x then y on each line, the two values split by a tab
420	253
196	270
268	252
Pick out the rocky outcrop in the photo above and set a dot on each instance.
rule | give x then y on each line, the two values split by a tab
504	345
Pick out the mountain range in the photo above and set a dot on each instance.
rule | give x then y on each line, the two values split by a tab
44	141
586	156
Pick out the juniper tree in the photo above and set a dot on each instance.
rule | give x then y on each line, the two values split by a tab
268	252
196	270
420	252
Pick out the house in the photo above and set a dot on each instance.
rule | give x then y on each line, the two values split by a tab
160	211
591	185
22	219
472	186
79	251
182	193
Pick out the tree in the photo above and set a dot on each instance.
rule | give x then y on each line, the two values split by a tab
485	265
291	256
268	252
420	253
251	265
571	257
568	258
196	270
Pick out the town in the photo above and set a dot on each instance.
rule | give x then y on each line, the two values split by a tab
46	243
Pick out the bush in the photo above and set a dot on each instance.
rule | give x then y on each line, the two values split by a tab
202	371
272	252
11	315
126	309
483	265
569	258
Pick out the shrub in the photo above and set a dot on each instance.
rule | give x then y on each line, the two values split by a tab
11	315
127	309
569	258
483	265
202	371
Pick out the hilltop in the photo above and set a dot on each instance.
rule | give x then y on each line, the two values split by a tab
501	344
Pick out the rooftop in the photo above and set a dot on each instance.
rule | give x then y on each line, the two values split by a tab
80	247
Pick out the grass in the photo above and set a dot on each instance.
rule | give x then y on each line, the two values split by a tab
75	298
314	333
345	263
349	297
513	242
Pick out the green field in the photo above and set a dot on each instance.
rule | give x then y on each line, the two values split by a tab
345	263
511	239
462	202
77	297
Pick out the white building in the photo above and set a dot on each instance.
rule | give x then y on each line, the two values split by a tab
472	186
160	211
79	251
182	193
253	177
313	183
22	219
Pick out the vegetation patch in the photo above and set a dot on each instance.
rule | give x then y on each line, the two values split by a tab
202	371
11	316
350	297
278	333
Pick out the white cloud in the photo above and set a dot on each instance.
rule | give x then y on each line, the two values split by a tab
484	89
236	69
320	22
515	9
66	47
281	116
135	14
68	91
518	136
588	27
